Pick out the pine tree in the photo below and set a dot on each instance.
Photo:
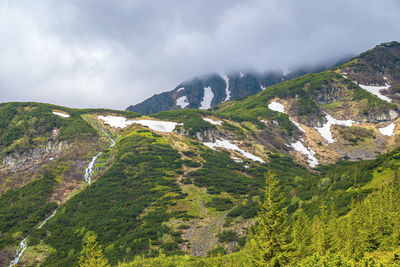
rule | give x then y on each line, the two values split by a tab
268	240
320	231
93	254
301	235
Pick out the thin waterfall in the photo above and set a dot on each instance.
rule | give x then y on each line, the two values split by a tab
88	178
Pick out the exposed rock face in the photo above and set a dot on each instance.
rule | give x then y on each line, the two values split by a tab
209	135
35	156
313	121
329	94
380	116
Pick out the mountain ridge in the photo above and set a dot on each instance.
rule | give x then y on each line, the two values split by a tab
235	85
190	181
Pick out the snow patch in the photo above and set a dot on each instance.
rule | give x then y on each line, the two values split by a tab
207	99
312	160
228	93
297	125
241	74
182	102
180	89
64	115
388	130
222	143
122	122
213	121
236	159
376	90
275	106
115	121
325	130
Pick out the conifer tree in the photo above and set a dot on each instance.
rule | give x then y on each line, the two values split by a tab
268	240
301	235
92	254
321	235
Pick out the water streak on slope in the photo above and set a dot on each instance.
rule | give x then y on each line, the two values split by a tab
89	169
88	178
20	251
45	220
22	245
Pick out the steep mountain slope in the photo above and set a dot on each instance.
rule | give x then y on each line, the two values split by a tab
210	90
190	181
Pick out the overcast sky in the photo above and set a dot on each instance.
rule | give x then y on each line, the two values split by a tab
113	53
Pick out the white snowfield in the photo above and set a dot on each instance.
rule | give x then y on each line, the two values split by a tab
376	91
312	160
388	130
222	143
122	122
64	115
228	93
180	89
208	97
275	106
182	102
213	121
325	130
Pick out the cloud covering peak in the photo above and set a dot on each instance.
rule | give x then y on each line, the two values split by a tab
115	53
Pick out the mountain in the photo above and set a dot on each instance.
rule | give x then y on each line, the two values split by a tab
210	90
173	187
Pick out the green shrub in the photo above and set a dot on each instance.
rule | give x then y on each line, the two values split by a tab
220	203
227	236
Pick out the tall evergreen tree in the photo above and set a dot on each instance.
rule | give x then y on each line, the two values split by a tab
322	236
268	240
301	235
92	254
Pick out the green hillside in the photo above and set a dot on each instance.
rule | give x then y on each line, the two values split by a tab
307	170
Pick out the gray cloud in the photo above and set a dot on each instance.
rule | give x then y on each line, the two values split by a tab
115	53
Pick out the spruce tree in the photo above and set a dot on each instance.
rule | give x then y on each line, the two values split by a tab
301	235
268	240
92	254
322	237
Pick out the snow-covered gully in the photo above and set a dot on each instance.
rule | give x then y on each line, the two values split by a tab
88	178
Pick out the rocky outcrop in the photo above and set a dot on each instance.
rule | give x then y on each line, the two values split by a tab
34	156
209	135
329	93
380	116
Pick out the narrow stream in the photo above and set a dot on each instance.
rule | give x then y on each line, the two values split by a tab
89	169
88	178
20	250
